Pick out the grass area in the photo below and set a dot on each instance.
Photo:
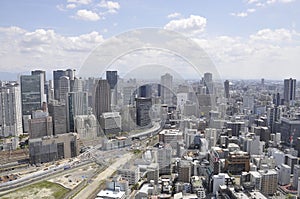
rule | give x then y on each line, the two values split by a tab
42	189
136	151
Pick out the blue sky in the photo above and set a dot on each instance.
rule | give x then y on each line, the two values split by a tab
259	37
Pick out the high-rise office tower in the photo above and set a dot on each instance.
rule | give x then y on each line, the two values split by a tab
289	91
164	159
77	104
46	85
128	95
112	79
143	106
144	91
50	94
226	87
207	77
39	72
10	109
59	117
77	85
276	99
64	88
32	93
70	73
166	82
57	74
208	82
102	98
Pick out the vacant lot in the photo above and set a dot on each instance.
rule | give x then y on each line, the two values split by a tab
42	189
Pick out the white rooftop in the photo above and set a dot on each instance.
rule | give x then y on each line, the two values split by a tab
110	194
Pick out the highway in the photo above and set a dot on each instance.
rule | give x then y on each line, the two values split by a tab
149	132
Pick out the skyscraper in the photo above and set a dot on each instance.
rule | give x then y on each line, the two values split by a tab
166	82
208	82
32	93
144	91
59	117
289	91
46	86
164	159
64	88
102	98
226	87
112	79
57	74
10	110
143	106
70	73
77	104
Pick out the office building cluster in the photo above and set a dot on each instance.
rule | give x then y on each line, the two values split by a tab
198	138
223	139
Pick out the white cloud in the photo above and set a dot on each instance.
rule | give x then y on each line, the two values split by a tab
263	3
46	49
174	15
191	26
268	35
243	14
252	1
71	6
251	10
87	15
60	7
111	6
83	2
255	56
279	1
259	4
266	50
239	14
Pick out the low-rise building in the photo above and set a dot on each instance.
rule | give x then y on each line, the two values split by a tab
51	148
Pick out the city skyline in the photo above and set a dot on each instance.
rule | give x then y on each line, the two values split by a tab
143	99
265	44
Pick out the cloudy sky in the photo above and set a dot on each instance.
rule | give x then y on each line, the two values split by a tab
244	38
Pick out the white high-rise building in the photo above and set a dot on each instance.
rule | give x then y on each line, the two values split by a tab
164	157
77	104
10	110
269	181
255	179
217	181
255	146
166	88
284	174
64	88
289	91
211	137
296	175
86	126
298	189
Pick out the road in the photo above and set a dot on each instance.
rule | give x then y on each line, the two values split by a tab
91	188
148	132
